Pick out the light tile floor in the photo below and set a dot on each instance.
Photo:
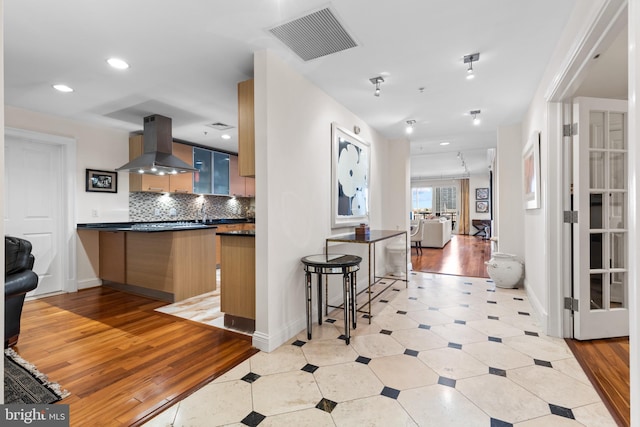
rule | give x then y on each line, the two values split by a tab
444	351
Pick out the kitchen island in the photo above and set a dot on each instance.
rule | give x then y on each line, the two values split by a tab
165	261
238	279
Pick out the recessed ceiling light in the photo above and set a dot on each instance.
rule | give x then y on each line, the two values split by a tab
62	88
225	136
117	63
444	143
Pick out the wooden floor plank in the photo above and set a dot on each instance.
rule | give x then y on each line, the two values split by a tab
121	361
462	256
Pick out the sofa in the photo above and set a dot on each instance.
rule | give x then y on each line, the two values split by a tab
437	232
19	278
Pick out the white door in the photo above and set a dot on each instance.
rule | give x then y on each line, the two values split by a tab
33	206
600	182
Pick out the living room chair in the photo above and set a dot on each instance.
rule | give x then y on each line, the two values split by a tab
417	236
19	278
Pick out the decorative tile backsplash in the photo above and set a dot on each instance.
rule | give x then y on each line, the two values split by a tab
145	206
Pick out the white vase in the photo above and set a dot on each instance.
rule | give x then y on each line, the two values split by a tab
505	269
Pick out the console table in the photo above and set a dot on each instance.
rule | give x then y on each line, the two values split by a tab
370	240
483	226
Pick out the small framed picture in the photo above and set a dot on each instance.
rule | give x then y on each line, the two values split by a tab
101	181
482	207
482	194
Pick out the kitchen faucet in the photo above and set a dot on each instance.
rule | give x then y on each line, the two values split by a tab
203	213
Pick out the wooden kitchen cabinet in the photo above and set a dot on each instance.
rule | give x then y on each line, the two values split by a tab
237	183
238	280
112	256
230	227
250	187
182	183
246	129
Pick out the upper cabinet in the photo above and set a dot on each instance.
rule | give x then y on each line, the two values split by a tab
240	186
181	183
213	172
246	129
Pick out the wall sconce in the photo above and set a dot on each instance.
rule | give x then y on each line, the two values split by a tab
410	124
376	81
474	113
468	59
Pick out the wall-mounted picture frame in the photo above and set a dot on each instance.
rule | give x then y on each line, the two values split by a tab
101	181
482	207
482	193
350	166
531	170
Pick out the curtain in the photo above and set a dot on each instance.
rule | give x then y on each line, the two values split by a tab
463	223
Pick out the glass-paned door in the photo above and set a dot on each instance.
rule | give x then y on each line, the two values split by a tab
601	233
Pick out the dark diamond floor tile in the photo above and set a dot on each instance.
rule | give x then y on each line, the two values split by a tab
363	360
390	392
518	299
466	293
423	326
386	332
410	352
531	334
401	312
464	305
434	308
455	345
523	313
497	371
495	339
491	302
384	301
561	411
326	405
298	343
396	290
489	281
460	322
253	419
414	273
413	298
468	283
542	363
493	317
499	423
491	290
342	337
449	382
330	320
250	377
310	368
365	316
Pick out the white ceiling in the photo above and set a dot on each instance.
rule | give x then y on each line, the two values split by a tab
187	57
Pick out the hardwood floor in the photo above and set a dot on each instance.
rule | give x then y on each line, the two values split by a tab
121	361
606	363
462	256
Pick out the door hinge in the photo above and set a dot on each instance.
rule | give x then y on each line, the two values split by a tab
570	304
570	217
570	130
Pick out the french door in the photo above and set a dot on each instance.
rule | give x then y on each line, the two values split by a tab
601	237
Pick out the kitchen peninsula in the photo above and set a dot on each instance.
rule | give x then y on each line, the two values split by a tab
164	261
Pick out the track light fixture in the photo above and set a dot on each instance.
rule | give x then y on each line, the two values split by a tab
376	81
410	124
474	113
469	59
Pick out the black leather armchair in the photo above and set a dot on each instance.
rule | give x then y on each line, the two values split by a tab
19	279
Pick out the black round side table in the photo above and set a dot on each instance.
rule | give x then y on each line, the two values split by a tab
347	265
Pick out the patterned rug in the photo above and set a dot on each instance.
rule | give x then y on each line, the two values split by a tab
24	384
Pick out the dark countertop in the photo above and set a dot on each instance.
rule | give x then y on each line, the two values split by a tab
241	233
147	227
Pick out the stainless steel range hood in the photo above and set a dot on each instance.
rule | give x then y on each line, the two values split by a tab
157	158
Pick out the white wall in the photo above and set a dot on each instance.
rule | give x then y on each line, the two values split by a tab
97	148
477	181
293	190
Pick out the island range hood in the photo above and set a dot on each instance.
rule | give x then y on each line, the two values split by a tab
157	158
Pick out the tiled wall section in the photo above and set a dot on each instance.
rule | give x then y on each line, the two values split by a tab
158	206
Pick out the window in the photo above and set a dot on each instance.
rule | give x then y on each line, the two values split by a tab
435	199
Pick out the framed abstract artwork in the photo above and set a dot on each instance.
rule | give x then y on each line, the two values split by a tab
350	157
482	194
531	170
482	207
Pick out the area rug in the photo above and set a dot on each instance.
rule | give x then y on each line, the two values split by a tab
24	384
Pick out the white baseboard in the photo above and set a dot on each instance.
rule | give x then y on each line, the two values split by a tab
89	283
539	311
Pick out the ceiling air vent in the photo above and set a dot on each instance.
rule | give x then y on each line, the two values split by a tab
315	35
220	126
